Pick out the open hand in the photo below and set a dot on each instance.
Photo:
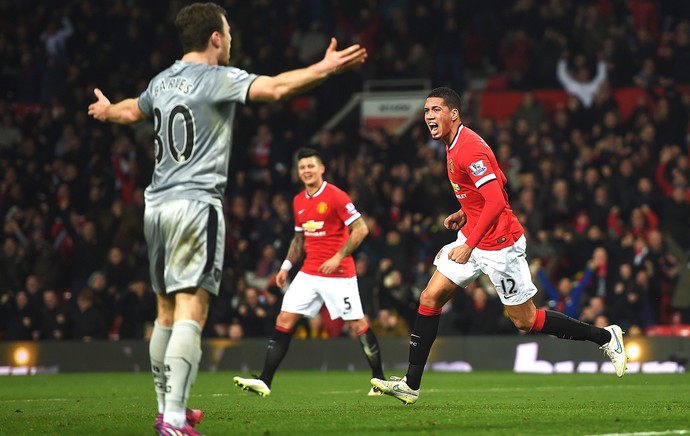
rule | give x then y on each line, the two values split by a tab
99	109
337	61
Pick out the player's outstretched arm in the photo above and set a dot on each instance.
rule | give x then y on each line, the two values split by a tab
125	112
271	88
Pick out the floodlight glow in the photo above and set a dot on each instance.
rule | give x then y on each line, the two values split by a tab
634	351
22	355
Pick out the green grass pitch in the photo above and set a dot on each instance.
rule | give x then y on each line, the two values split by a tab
335	403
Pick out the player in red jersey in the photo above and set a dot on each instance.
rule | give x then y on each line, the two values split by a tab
490	241
328	228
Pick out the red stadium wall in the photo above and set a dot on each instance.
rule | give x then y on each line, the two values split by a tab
501	104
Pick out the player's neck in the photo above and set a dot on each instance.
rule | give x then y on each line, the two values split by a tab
448	140
201	57
313	188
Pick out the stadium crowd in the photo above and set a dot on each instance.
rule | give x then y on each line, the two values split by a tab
605	200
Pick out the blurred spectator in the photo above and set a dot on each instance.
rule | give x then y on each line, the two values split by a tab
10	135
13	264
56	35
482	314
252	314
21	319
136	309
389	324
265	269
567	296
33	291
561	205
624	302
395	294
598	175
531	111
87	321
681	294
54	317
595	308
118	272
578	81
366	282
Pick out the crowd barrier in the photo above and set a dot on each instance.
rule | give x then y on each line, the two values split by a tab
520	353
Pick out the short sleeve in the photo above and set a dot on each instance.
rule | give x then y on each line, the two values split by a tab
345	209
479	165
295	216
146	102
230	84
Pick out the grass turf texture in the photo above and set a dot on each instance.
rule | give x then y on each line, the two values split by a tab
306	403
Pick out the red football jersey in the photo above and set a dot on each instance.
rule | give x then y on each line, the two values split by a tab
471	165
324	218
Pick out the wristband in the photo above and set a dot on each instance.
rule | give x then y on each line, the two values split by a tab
287	265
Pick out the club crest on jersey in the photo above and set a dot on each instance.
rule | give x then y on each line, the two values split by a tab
478	168
236	73
451	166
322	207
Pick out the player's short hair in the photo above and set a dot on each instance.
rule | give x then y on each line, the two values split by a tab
305	152
196	23
450	97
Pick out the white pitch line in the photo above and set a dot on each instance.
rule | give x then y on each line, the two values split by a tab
645	433
31	400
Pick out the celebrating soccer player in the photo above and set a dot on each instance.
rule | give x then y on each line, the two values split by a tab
490	241
192	104
328	228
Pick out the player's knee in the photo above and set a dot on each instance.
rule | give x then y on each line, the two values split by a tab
358	327
430	298
522	322
203	317
165	317
427	298
287	320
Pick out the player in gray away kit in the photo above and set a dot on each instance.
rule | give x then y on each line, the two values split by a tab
192	105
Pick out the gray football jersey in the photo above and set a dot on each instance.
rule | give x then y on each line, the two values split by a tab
193	107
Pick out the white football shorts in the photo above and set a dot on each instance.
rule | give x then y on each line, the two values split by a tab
307	293
186	245
507	269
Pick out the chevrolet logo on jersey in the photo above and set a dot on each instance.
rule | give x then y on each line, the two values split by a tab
455	186
312	226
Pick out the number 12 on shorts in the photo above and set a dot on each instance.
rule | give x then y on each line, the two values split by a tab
508	287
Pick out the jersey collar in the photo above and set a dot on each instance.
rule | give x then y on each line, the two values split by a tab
457	136
320	190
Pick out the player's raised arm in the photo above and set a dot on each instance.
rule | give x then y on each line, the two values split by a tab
270	88
125	112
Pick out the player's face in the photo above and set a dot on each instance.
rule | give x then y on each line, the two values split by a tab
224	55
440	119
310	171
